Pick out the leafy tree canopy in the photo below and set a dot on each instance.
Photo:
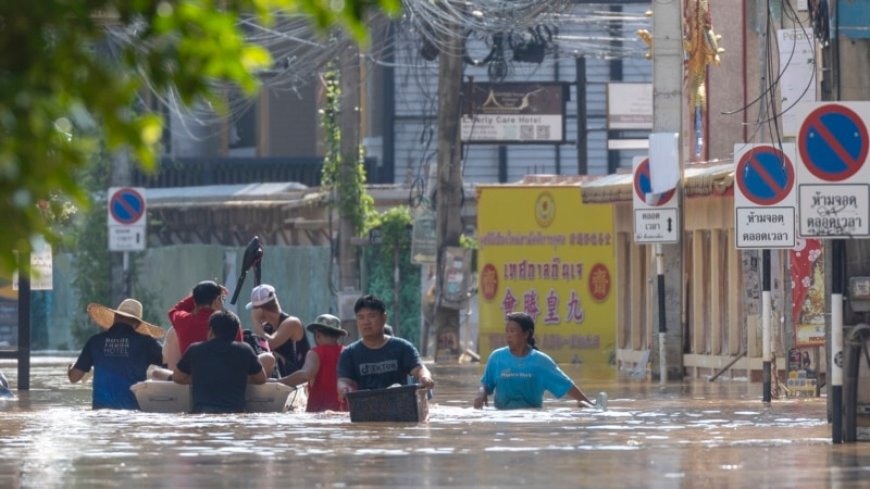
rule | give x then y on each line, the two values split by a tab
65	87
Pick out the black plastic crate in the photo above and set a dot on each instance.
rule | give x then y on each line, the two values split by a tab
396	404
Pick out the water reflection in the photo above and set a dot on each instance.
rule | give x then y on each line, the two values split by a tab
692	435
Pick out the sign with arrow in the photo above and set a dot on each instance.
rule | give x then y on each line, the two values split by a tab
126	218
656	218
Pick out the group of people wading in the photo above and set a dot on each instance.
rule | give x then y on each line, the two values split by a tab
207	348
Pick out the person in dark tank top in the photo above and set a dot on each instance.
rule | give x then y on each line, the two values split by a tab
284	332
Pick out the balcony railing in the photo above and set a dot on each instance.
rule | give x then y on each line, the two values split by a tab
192	172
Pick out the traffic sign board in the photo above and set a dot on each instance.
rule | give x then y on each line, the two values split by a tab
765	175
832	171
833	142
126	206
126	238
656	226
126	218
656	217
764	197
643	187
833	211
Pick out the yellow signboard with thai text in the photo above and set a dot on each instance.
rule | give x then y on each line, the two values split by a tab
544	252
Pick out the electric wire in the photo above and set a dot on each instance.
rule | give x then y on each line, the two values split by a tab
299	50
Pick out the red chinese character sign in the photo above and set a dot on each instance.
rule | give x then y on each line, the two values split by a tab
832	172
764	196
543	252
599	282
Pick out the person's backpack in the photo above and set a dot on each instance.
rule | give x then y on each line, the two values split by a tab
258	343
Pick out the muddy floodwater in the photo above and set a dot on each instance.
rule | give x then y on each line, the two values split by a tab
695	434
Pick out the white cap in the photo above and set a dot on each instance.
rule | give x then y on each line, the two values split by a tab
260	295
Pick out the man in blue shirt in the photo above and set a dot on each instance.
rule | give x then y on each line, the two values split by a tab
120	355
377	361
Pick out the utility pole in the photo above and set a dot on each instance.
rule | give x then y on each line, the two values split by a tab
120	281
667	57
349	123
844	78
448	194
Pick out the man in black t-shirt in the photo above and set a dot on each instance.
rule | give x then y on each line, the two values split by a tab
376	360
220	368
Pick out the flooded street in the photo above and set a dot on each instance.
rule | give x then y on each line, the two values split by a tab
692	435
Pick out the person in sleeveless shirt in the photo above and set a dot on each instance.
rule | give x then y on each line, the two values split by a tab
321	365
284	332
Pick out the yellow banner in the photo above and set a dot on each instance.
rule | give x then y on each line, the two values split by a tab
542	251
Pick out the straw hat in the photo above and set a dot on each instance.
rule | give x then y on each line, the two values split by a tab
129	308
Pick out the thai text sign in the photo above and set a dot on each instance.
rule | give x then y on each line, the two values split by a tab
833	173
764	197
543	252
656	216
126	218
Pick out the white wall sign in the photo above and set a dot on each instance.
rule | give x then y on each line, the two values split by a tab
41	266
629	106
797	59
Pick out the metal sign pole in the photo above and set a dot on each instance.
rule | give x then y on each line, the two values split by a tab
837	252
765	324
23	323
126	263
663	325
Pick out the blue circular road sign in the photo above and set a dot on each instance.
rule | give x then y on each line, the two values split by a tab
833	142
765	175
127	206
643	185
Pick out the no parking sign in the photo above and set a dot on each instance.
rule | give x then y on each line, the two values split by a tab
126	218
764	197
833	173
656	217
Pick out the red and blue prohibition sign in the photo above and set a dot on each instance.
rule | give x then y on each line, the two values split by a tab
765	175
643	186
833	142
127	206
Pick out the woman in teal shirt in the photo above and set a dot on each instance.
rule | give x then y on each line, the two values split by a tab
519	373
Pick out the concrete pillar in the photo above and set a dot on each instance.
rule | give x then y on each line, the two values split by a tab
667	56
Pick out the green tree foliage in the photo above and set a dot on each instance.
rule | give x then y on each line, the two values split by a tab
395	227
86	237
91	257
65	85
354	202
